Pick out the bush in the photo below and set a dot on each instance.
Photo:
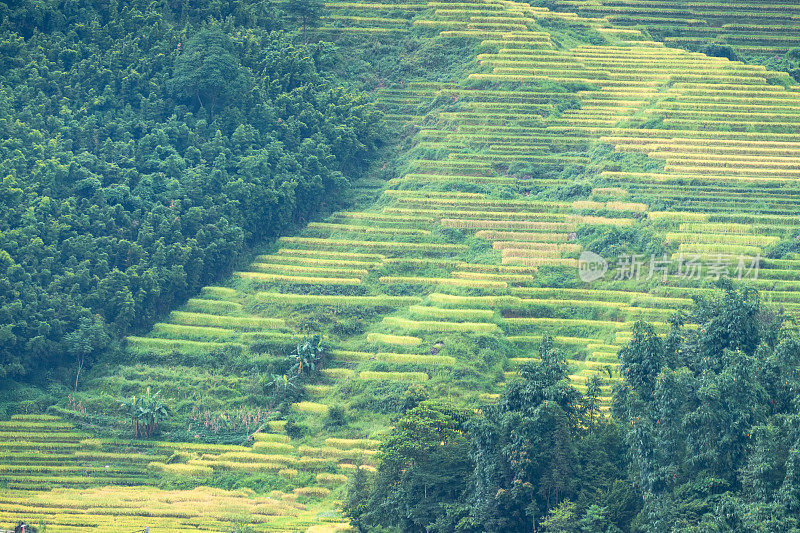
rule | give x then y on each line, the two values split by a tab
721	50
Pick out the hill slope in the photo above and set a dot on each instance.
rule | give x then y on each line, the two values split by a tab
567	135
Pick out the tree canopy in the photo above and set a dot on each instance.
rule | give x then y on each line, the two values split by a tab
704	436
146	147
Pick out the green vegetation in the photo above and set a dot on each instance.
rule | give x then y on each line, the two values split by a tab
692	435
160	161
391	317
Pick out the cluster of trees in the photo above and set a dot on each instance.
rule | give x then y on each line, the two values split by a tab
146	146
704	436
446	469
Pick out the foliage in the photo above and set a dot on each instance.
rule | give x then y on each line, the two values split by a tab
424	470
208	70
505	470
146	413
787	62
310	355
140	166
708	416
721	50
613	242
305	12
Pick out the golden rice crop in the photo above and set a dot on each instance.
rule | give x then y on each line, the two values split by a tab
401	340
203	305
265	446
381	245
36	417
43	435
312	270
237	322
452	300
250	457
192	332
303	280
502	269
491	276
626	206
451	314
248	466
314	463
331	255
436	326
521	236
304	260
21	424
312	492
545	321
478	284
720	238
311	407
397	358
466	223
276	425
367	229
183	469
336	300
181	346
317	390
353	443
393	376
331	479
270	437
337	373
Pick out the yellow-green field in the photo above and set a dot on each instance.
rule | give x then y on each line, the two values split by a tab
455	249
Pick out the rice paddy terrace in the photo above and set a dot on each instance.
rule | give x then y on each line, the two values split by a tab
759	28
569	125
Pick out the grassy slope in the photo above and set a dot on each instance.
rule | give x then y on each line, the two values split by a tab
563	132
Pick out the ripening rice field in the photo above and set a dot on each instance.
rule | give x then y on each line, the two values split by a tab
571	131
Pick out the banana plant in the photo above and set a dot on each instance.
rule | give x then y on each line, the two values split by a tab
310	354
146	413
283	383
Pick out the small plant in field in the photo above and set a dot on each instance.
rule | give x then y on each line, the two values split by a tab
310	355
146	412
337	417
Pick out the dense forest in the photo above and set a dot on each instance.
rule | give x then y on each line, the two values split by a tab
704	437
147	146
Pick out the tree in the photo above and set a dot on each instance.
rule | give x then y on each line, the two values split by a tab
560	519
86	342
705	415
170	162
525	448
591	401
208	71
305	12
424	471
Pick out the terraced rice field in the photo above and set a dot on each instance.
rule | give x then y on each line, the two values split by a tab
471	247
55	475
756	27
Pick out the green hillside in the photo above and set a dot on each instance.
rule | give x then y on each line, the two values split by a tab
524	137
